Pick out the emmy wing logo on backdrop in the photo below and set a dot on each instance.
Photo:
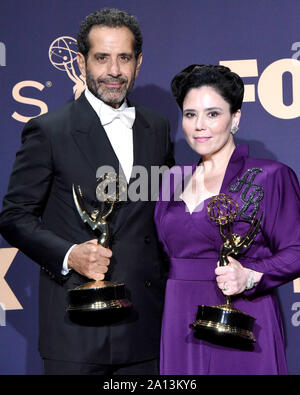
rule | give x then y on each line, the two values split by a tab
62	55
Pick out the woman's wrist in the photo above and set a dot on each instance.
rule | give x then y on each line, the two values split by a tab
253	279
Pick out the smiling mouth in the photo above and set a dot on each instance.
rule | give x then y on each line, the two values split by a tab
202	139
109	83
113	84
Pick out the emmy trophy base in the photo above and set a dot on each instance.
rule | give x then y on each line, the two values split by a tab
98	296
225	325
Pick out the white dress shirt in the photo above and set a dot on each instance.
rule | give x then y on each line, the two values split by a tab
119	135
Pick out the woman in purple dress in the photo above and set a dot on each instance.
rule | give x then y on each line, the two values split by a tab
210	98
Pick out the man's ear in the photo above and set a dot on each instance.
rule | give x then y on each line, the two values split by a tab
138	64
81	63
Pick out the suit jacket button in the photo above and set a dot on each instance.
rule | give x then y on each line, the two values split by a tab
147	284
147	239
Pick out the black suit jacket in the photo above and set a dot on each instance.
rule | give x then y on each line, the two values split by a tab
39	217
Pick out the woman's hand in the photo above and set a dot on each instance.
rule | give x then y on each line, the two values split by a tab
234	278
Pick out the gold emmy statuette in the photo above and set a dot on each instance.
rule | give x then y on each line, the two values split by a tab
95	295
225	324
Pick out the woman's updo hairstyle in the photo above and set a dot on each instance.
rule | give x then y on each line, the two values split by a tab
227	83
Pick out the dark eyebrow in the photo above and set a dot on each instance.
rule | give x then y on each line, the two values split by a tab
130	55
206	109
189	109
101	54
213	108
107	54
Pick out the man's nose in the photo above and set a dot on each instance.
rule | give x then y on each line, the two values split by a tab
114	68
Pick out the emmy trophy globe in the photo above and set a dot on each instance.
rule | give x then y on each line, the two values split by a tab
99	295
224	323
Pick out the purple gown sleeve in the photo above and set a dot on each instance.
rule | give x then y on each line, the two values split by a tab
281	230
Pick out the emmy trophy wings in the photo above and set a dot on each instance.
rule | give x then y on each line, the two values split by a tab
83	214
252	231
109	190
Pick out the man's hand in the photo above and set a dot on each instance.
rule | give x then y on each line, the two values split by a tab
90	259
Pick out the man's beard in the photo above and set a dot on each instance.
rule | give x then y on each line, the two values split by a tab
110	96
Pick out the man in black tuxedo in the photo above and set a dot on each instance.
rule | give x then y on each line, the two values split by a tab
39	216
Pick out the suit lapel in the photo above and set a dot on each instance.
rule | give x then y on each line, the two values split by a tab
235	166
143	148
142	140
91	137
144	145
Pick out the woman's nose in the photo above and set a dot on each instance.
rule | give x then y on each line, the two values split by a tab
200	122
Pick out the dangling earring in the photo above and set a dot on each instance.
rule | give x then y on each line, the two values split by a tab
234	129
